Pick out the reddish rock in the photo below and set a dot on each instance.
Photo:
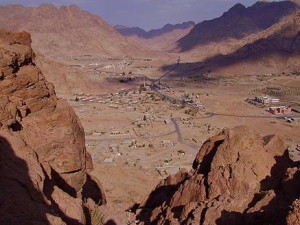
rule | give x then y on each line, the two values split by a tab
43	157
238	177
69	207
294	216
89	162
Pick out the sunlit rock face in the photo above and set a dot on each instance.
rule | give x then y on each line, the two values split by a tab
43	156
238	177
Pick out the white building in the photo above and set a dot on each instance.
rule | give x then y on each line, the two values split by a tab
267	100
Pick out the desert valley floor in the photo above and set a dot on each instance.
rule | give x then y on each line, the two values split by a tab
137	136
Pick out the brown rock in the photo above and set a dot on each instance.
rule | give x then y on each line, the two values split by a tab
294	216
43	156
89	162
70	207
235	180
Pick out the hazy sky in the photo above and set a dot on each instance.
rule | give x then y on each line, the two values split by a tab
146	14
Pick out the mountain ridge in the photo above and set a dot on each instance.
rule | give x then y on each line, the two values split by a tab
67	30
136	31
237	23
156	39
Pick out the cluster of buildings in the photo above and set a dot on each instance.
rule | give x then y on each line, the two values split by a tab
274	108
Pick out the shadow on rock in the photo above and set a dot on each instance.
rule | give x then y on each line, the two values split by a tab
273	203
22	202
92	189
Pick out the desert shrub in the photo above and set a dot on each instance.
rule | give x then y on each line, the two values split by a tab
191	112
97	217
94	214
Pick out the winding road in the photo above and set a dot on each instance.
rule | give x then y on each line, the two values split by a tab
180	137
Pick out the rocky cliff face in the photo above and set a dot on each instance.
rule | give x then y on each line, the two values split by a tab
237	23
238	177
43	161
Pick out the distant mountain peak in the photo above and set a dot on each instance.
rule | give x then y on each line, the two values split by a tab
136	31
47	6
237	7
74	8
120	27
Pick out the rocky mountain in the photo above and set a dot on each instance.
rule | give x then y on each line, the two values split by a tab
238	177
136	31
44	168
162	39
237	23
66	31
273	50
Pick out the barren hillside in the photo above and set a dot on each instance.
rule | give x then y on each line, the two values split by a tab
237	23
66	31
273	50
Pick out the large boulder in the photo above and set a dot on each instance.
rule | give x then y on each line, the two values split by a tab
42	148
238	177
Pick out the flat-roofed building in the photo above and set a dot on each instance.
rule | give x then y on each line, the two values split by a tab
267	100
280	110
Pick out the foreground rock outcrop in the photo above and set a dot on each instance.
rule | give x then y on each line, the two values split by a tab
238	177
43	161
